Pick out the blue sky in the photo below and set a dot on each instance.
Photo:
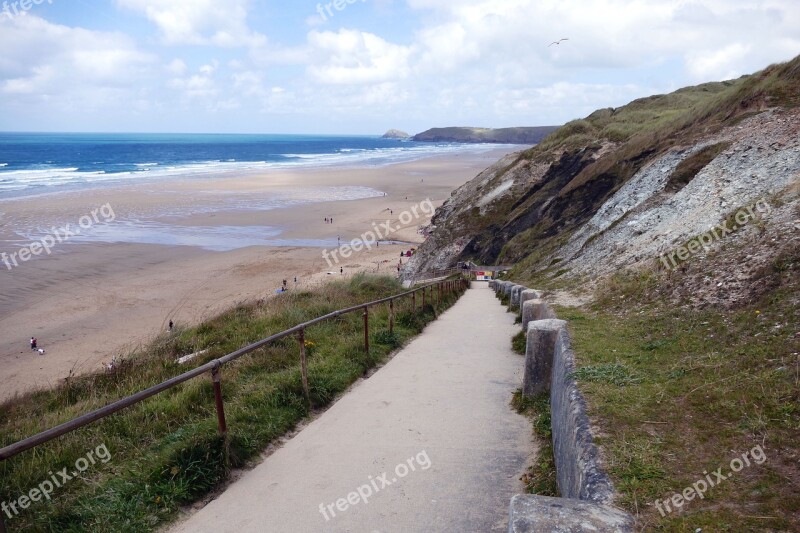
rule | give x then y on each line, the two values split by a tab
364	66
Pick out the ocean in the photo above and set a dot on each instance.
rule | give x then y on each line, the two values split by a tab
41	163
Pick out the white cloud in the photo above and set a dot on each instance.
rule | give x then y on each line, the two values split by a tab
724	63
199	22
478	62
177	67
355	57
41	59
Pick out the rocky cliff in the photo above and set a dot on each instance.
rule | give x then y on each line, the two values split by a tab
706	177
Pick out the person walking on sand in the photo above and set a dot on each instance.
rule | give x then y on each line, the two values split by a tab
171	325
341	270
33	343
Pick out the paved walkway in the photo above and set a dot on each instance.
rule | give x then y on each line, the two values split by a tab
436	420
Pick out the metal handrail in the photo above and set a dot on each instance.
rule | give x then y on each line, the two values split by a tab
213	367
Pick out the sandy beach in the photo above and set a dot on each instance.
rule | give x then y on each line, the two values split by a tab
92	298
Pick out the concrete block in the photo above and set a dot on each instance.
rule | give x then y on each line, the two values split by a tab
515	292
541	343
507	288
528	294
535	310
540	514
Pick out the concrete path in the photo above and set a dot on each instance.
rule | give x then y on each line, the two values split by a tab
427	444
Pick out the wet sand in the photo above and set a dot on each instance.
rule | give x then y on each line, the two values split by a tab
90	300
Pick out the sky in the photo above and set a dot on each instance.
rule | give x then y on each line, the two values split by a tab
365	66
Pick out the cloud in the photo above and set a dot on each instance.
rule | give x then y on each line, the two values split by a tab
199	22
59	63
355	57
411	63
724	63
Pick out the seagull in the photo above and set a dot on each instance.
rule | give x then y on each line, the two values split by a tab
559	41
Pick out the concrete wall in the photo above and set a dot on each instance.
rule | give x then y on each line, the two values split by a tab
586	490
580	475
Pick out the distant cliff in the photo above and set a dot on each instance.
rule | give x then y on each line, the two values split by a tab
486	135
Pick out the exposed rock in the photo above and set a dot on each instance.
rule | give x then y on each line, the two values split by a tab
590	208
396	134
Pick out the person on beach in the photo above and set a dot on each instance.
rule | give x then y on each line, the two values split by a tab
33	343
171	325
284	285
341	270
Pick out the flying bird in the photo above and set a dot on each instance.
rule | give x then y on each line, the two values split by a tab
559	41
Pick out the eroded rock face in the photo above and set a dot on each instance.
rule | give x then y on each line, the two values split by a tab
446	242
642	222
637	222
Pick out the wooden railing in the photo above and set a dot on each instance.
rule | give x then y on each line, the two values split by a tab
430	293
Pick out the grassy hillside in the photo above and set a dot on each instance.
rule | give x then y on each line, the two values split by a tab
676	392
677	386
166	452
486	135
590	159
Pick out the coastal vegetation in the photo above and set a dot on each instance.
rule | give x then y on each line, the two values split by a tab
684	369
530	135
678	392
166	452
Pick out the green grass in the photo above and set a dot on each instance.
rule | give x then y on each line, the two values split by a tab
692	165
528	227
166	451
678	392
519	343
541	477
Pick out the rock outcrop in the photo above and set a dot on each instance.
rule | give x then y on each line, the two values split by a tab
603	194
396	134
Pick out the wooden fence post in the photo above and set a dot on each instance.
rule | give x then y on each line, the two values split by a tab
301	336
366	329
216	379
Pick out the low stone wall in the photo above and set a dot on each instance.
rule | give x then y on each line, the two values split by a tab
586	490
